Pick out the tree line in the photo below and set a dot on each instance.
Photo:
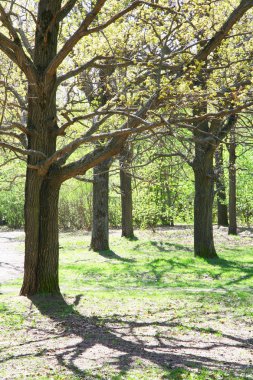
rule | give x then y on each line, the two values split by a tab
83	81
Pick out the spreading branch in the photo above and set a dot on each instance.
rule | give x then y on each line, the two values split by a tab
13	48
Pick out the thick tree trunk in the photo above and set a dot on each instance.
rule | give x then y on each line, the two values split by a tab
203	202
48	263
41	248
126	195
222	209
42	138
100	224
32	225
204	177
232	229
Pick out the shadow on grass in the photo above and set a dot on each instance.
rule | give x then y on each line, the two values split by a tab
163	246
130	238
233	265
112	255
119	347
166	247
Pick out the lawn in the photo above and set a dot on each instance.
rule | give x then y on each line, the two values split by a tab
147	309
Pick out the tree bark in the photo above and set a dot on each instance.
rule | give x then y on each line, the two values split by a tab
203	169
100	224
41	267
42	127
48	263
203	204
126	195
232	229
222	209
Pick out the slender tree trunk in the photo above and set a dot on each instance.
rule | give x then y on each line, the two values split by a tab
222	209
232	230
203	202
126	195
100	224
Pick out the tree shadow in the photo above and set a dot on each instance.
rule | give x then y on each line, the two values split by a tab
121	349
226	265
112	255
158	271
164	246
130	238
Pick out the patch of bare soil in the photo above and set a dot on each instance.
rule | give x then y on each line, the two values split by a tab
184	235
11	255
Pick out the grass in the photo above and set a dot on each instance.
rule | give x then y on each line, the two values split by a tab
149	292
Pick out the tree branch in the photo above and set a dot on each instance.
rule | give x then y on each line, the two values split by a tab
28	152
75	38
214	42
112	148
78	70
13	48
64	11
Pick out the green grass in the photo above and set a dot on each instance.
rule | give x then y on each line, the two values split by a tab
154	282
155	265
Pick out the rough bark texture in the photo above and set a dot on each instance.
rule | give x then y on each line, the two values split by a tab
203	202
232	229
48	263
100	225
41	124
203	169
222	209
126	194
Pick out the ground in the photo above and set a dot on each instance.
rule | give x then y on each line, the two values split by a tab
145	310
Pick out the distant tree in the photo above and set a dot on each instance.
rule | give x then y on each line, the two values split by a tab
125	161
232	229
100	213
222	209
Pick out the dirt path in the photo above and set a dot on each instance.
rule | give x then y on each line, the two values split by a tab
11	255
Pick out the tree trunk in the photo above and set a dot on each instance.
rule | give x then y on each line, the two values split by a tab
48	263
41	267
32	222
203	202
222	209
126	195
41	248
232	229
100	224
204	178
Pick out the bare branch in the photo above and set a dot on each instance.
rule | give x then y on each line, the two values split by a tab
75	38
78	70
64	11
13	48
112	148
27	152
15	93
